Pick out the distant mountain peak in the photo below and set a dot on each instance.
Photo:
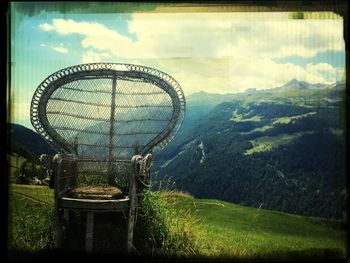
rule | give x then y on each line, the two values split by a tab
200	92
299	84
294	83
250	90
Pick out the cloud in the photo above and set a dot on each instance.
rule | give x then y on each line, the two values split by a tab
224	75
323	72
46	27
222	34
167	35
95	35
60	49
216	52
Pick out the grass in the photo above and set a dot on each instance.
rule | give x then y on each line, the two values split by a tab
30	227
164	230
39	193
30	219
261	129
266	143
281	120
241	117
286	120
240	232
175	224
160	231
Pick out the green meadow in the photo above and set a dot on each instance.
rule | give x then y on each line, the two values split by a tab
214	229
234	231
266	143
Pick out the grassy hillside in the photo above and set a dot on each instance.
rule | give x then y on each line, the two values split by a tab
27	142
235	231
218	229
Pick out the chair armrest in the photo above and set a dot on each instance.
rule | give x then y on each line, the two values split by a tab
64	171
140	168
46	164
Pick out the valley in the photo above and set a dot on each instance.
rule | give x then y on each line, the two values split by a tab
237	149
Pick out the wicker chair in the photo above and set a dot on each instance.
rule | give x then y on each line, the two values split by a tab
104	120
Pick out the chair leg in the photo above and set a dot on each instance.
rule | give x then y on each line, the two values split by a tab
131	223
58	227
89	236
66	215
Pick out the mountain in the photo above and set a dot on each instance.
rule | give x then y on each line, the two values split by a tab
338	85
27	142
289	92
250	91
201	98
283	149
295	84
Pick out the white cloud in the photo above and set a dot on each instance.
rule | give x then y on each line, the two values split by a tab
96	36
165	35
46	27
323	72
216	52
224	75
60	49
222	34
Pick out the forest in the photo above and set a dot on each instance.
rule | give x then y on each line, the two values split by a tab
284	150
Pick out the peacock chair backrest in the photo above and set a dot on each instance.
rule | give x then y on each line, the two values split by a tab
105	113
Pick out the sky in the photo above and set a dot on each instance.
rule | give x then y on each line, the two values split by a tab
215	52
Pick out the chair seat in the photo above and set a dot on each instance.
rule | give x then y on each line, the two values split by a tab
94	205
96	193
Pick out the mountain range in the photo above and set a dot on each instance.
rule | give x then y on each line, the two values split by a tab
282	148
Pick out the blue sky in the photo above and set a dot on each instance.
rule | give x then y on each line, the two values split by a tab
213	52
